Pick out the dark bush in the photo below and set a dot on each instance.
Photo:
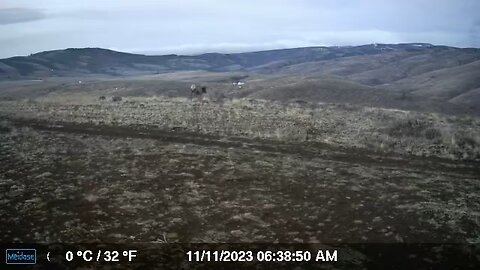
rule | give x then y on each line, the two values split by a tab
299	101
466	142
116	99
5	129
432	134
408	128
102	98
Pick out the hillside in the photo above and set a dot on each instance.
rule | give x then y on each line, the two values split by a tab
96	61
326	89
406	76
389	66
448	84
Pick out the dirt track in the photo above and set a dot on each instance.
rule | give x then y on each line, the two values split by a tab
76	183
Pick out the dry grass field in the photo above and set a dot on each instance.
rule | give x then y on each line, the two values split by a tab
150	169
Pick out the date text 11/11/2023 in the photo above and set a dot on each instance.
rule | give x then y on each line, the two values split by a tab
262	256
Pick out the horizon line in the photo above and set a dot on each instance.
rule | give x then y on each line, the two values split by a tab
144	53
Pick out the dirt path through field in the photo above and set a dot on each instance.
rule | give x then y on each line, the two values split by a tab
67	182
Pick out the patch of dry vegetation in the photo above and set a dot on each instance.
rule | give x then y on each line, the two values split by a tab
386	130
70	186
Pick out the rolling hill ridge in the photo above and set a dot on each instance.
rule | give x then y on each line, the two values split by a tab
413	76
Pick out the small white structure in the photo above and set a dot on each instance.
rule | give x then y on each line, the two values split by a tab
239	84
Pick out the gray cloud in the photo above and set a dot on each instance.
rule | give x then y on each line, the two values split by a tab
18	15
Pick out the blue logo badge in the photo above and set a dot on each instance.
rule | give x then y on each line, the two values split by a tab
21	256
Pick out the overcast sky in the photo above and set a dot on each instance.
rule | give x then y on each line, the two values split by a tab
190	27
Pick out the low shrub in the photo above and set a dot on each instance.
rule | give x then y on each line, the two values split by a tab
410	128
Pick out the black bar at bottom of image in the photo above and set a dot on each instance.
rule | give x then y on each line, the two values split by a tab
241	256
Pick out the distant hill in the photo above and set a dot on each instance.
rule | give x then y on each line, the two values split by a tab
412	76
389	66
445	83
363	61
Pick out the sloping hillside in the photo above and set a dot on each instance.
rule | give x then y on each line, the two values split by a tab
470	99
444	84
406	76
387	67
354	60
325	89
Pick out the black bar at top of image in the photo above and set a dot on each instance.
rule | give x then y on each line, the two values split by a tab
174	256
